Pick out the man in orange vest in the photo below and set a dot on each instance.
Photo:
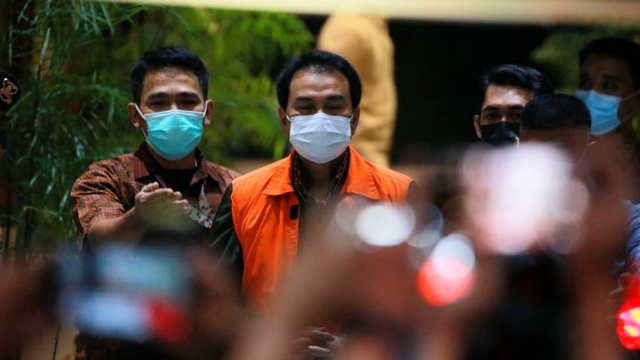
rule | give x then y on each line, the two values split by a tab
266	215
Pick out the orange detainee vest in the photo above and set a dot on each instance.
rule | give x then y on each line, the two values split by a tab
261	209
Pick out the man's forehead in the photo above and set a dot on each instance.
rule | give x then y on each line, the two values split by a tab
309	79
506	95
596	64
171	78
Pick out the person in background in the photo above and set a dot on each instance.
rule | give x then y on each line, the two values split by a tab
609	85
506	89
365	42
9	95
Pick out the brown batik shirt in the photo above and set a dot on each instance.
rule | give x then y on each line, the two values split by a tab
107	189
311	208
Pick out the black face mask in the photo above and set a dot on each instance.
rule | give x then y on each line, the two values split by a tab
500	133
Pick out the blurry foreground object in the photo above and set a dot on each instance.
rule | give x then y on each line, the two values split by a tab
179	302
385	285
121	293
521	197
629	315
26	303
365	42
375	285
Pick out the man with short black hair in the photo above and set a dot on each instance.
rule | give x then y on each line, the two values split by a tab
165	192
125	198
267	215
610	84
559	119
506	89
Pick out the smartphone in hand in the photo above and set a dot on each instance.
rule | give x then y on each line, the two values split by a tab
134	294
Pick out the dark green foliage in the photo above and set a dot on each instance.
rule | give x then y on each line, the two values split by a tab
72	111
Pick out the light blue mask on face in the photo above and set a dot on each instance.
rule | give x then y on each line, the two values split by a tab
603	109
173	134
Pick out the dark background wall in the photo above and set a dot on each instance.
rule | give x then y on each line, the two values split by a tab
438	67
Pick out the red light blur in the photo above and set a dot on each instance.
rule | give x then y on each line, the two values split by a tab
629	316
437	289
168	322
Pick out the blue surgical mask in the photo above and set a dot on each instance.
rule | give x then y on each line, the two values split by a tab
173	134
603	109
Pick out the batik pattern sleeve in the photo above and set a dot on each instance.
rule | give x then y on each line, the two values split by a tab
633	241
105	191
224	241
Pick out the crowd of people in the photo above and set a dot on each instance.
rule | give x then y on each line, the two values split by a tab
524	246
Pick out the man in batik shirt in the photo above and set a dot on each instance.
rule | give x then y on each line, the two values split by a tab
165	192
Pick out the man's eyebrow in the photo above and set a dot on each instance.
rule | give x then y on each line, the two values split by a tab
162	94
510	107
157	95
337	97
490	108
188	94
303	99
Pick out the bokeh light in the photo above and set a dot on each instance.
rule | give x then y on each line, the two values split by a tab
448	276
385	225
519	195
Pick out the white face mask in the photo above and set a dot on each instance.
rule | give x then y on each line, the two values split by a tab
320	137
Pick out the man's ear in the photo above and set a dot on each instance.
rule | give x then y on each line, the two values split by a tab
134	116
206	121
354	121
476	125
285	124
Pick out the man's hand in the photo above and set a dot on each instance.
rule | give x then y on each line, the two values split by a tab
215	316
315	343
26	304
159	208
616	296
155	208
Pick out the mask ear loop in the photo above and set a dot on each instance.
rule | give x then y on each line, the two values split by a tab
204	113
143	117
636	109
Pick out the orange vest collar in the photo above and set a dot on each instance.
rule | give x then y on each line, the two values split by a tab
359	178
